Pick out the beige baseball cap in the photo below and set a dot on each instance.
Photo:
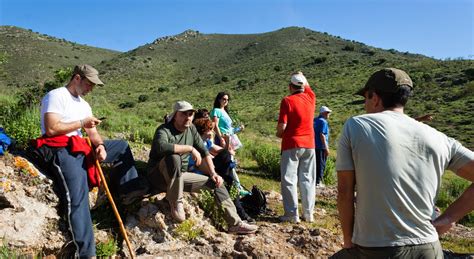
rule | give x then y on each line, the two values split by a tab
88	72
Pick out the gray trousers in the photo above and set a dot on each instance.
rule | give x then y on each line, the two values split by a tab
169	178
428	251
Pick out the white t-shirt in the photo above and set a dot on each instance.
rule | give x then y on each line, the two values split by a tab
398	164
62	102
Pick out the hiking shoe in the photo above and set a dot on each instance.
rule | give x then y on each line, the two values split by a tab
290	219
249	220
308	218
133	196
242	228
177	211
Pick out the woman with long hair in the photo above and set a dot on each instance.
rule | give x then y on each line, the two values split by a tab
222	120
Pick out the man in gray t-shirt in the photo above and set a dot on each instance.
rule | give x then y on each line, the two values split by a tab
395	164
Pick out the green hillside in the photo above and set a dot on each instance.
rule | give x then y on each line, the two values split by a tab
142	84
255	70
28	57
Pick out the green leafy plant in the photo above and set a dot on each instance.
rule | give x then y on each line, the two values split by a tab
329	177
215	212
188	230
106	249
268	159
7	252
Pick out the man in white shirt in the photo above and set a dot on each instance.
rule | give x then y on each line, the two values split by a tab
63	115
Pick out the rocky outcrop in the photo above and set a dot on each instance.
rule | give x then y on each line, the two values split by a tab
182	37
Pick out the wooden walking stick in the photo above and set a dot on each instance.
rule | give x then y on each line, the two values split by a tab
111	200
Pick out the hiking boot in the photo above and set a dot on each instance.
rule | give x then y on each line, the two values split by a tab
177	211
133	196
290	219
242	228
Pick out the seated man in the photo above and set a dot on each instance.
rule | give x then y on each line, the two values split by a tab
64	113
172	145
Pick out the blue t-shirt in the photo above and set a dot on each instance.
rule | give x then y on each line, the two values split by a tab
225	122
192	164
320	125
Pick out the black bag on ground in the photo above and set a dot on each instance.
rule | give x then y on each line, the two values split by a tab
255	203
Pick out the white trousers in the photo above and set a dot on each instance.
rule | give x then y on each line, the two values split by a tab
298	166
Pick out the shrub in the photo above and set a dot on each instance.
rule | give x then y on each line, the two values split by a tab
329	177
162	89
143	98
212	210
108	248
242	83
348	48
24	127
188	230
126	105
225	79
268	159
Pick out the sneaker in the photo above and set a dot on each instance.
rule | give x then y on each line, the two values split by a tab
308	219
177	211
243	228
322	185
290	219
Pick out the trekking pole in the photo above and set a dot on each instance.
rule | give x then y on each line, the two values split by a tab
111	200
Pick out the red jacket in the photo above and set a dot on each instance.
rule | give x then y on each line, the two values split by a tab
77	144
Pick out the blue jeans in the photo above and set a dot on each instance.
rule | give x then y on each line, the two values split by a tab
320	164
71	184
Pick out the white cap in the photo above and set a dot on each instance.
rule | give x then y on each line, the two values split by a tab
324	109
298	79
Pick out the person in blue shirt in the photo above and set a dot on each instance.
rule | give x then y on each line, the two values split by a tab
321	138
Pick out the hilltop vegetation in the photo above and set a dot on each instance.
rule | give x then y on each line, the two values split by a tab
30	58
142	84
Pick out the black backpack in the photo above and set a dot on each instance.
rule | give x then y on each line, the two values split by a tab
255	203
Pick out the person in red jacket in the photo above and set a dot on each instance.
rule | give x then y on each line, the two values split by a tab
64	113
295	127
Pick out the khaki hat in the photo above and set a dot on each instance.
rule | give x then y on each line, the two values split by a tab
88	72
387	80
181	106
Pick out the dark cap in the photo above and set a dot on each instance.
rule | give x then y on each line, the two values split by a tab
88	72
387	80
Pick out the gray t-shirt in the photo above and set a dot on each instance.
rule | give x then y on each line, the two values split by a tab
398	164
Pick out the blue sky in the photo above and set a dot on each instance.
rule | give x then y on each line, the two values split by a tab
435	28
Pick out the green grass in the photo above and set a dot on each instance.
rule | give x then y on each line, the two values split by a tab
452	187
458	244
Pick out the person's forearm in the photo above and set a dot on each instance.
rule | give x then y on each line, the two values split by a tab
280	129
345	206
460	207
182	149
60	128
94	136
323	140
208	162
